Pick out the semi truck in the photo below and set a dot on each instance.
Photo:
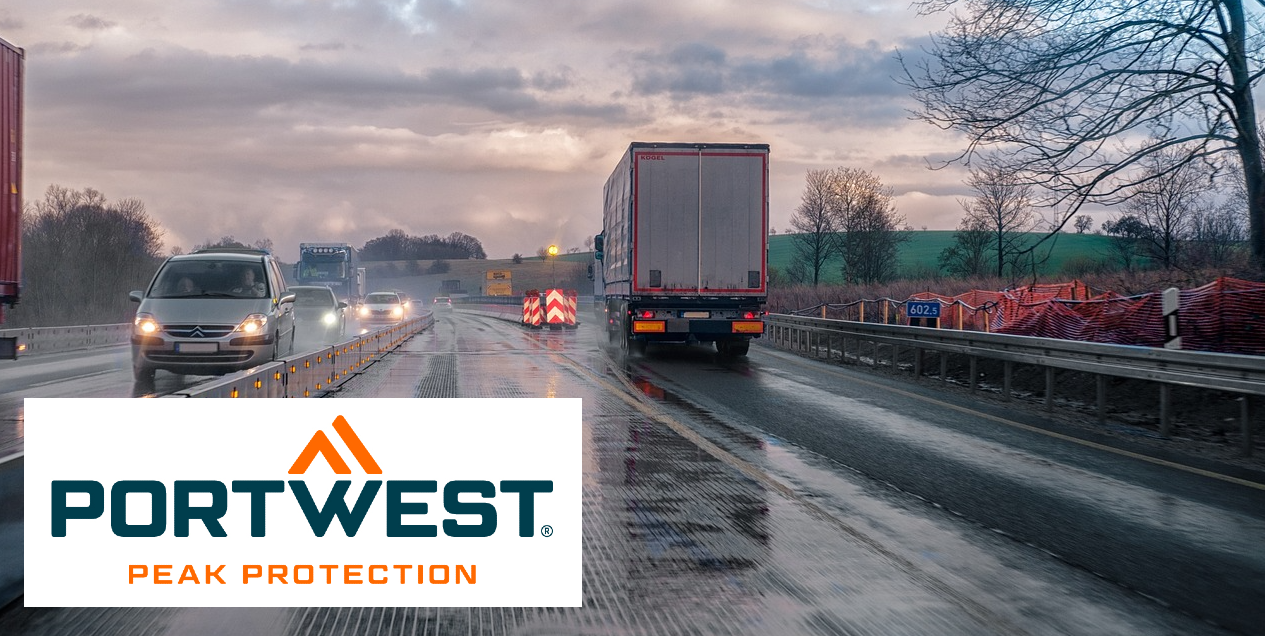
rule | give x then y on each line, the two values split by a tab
333	265
684	245
12	59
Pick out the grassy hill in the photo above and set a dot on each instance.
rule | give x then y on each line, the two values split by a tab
917	257
922	252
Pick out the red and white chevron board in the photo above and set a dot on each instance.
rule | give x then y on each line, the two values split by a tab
531	310
536	313
555	307
571	303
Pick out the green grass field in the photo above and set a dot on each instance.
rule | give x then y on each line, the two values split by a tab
922	252
918	256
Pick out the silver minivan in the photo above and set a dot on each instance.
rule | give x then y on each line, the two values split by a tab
212	312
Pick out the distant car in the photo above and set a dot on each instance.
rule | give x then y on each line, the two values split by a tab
212	312
441	304
318	314
382	308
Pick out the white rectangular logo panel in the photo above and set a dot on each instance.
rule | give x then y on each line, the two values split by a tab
303	503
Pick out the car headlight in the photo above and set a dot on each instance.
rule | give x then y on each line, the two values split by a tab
364	311
253	323
397	312
146	324
329	318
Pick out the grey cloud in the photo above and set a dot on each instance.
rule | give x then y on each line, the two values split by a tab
55	48
325	46
88	22
705	69
11	24
555	81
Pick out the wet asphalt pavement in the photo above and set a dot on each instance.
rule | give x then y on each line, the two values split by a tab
777	495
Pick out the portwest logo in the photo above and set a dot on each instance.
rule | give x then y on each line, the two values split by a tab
254	494
223	496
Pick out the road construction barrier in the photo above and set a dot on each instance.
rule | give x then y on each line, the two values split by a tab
532	316
555	307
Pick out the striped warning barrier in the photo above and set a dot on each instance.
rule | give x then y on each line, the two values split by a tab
555	307
571	303
531	308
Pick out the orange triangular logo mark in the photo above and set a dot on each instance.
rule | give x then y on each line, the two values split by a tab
320	444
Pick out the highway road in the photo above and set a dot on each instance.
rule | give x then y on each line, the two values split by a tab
775	494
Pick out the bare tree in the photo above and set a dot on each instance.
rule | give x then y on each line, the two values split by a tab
868	226
1084	223
1002	206
1166	203
81	255
1218	236
1077	93
969	254
1127	234
813	221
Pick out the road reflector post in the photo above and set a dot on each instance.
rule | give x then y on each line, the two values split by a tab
1170	302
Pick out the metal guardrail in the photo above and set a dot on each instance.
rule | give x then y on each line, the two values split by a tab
1238	374
35	340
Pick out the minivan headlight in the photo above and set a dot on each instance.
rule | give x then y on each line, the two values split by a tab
397	311
364	311
253	324
329	318
145	324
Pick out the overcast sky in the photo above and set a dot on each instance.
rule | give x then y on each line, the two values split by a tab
318	120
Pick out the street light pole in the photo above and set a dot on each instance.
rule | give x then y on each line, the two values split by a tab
553	253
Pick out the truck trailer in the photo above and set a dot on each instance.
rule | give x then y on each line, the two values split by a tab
333	265
11	90
684	245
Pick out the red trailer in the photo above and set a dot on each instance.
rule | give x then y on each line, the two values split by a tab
11	80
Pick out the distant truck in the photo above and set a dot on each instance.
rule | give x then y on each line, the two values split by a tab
12	78
333	265
684	245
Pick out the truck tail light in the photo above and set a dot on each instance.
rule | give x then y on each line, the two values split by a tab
749	315
647	314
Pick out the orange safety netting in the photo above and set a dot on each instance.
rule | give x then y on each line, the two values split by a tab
1226	315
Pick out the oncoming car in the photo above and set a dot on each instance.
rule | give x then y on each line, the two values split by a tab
382	308
319	317
212	312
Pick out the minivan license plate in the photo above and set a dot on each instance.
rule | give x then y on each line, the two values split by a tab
197	347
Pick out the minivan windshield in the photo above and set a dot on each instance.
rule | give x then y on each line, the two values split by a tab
203	278
382	299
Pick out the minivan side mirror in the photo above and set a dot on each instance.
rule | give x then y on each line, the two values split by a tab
136	295
342	304
287	298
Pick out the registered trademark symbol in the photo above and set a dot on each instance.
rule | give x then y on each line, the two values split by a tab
547	531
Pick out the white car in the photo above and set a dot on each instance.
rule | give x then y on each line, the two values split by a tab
382	308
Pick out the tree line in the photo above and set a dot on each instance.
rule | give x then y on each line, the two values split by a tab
398	246
82	254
